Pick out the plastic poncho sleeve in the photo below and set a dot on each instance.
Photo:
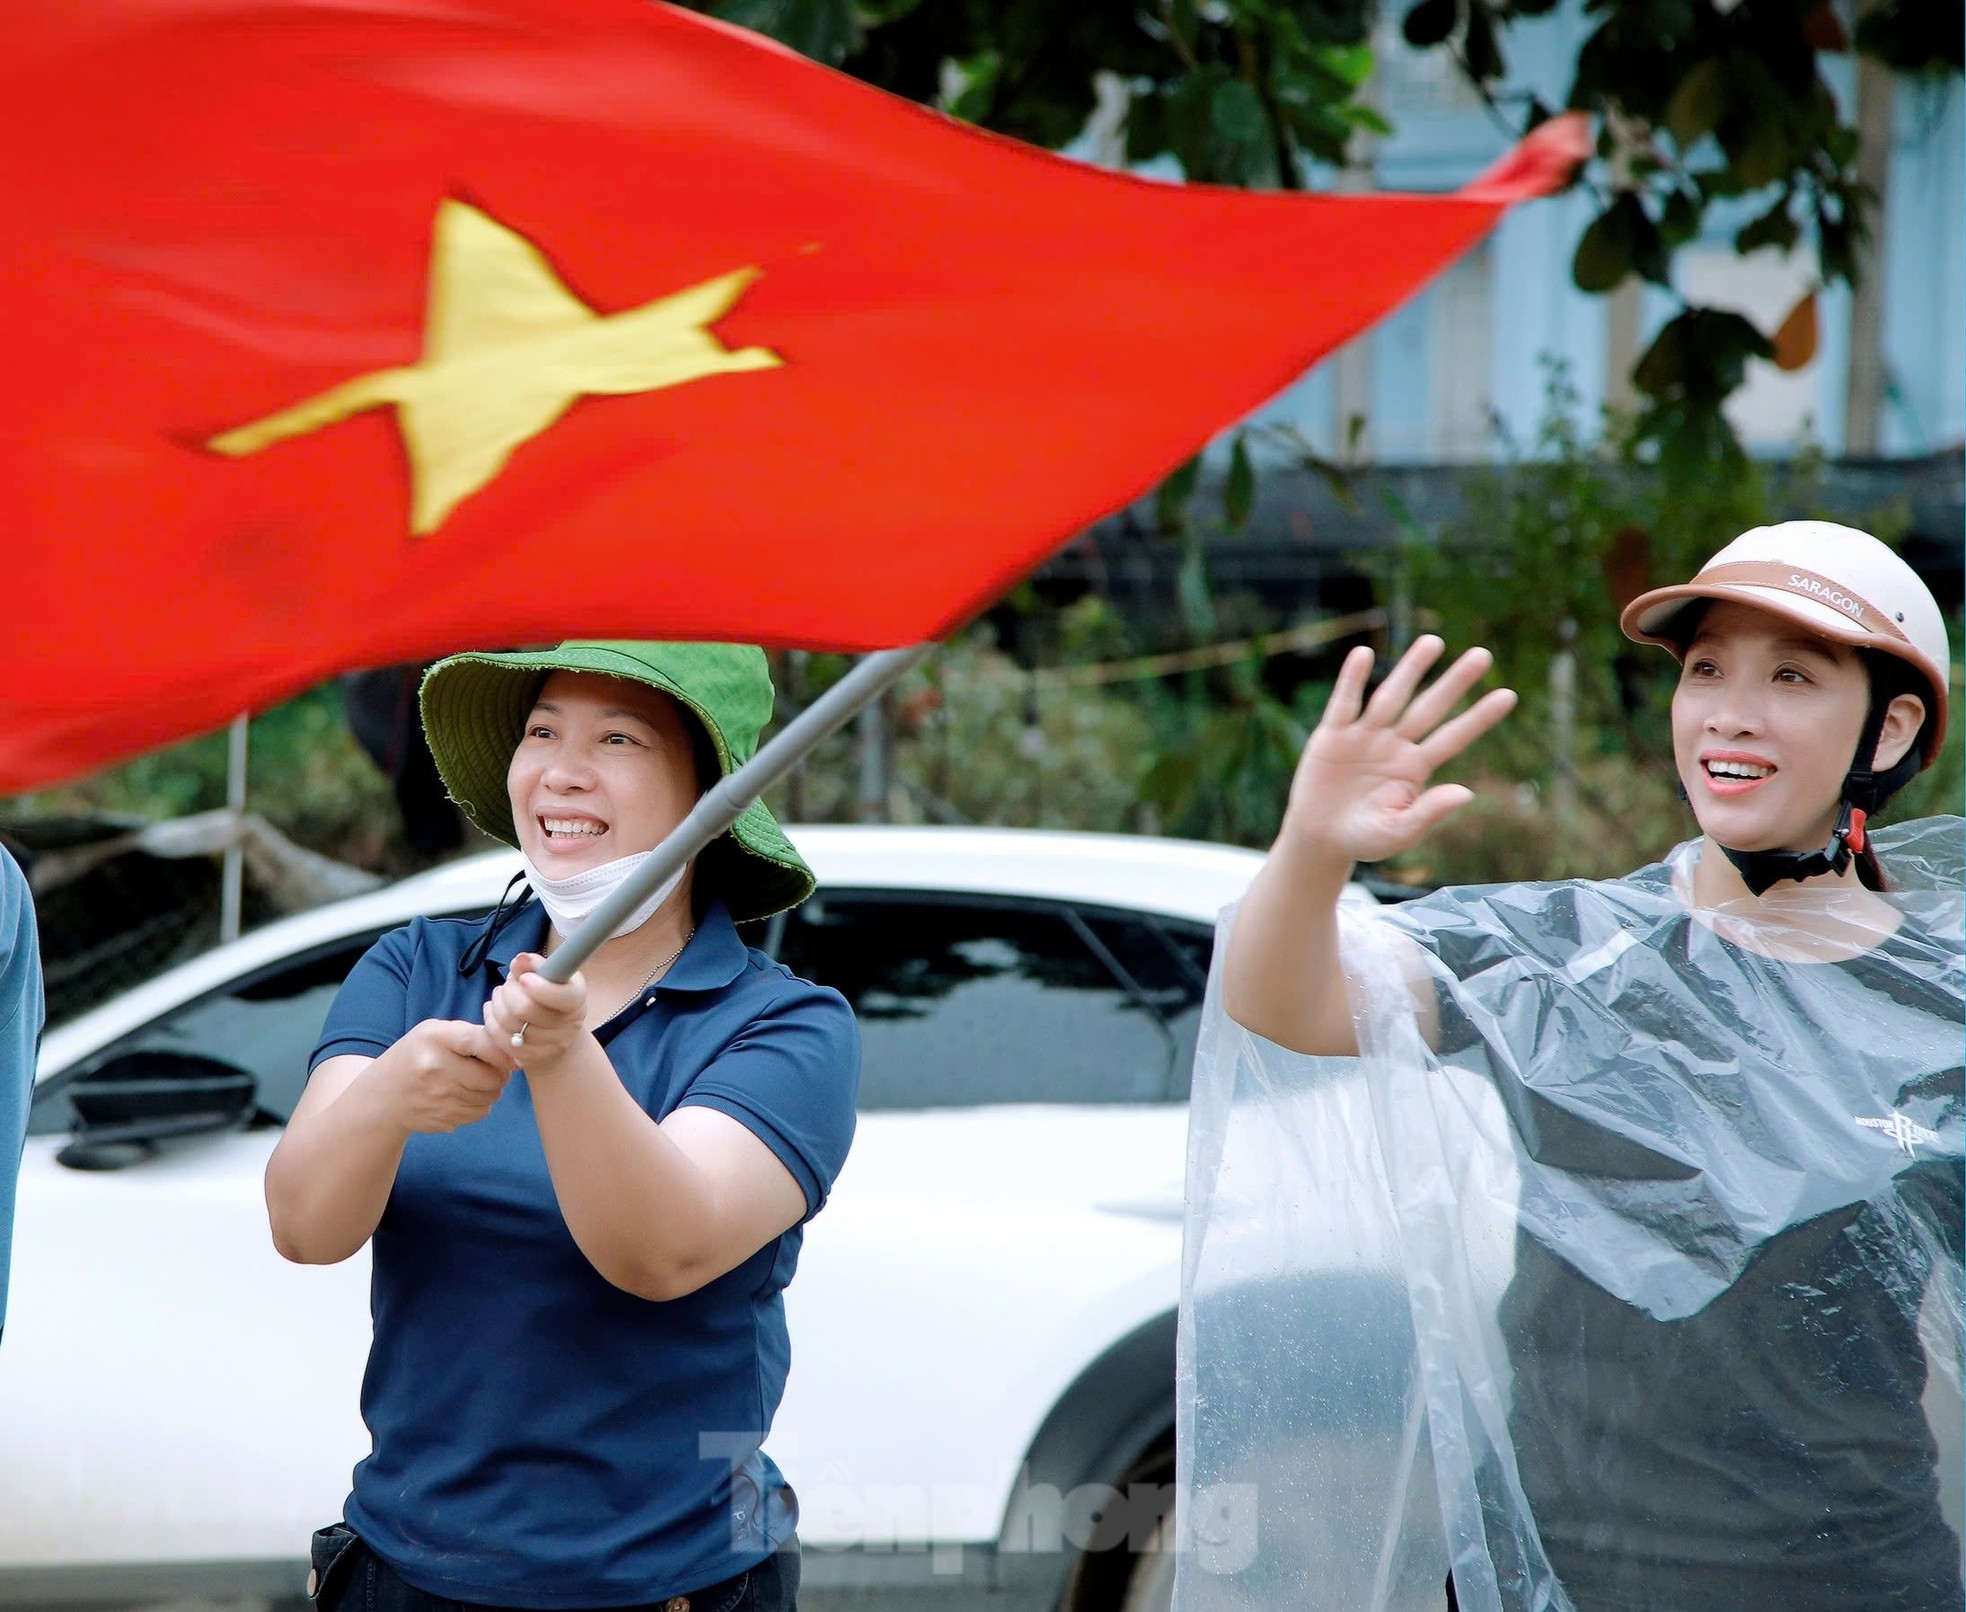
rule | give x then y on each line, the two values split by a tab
21	1011
1638	1287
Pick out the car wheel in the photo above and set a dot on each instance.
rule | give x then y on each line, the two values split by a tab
1150	1588
1135	1574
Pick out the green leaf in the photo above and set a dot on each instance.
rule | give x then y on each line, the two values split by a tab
1698	105
1663	365
1240	494
1183	21
1836	250
1478	47
1700	357
1430	22
1679	219
1776	228
1715	184
1697	447
1194	592
1146	126
976	99
1757	131
1649	255
1190	121
1914	36
1171	499
825	30
1764	159
1727	341
1605	252
1350	65
1322	131
1237	113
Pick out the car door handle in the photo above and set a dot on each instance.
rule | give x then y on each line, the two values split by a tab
1165	1207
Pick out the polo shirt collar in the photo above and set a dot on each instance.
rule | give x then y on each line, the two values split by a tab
712	959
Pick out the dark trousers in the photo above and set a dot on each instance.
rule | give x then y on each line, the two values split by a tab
349	1577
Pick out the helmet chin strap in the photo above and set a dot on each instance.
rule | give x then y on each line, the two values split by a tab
1864	792
1761	870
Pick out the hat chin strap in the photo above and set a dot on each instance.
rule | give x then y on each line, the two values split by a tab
1761	870
1864	792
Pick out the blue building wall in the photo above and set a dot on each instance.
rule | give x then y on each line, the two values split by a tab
1924	240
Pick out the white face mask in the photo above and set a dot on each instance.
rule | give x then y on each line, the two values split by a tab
571	899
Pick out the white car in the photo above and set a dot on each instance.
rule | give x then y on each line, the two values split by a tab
982	1388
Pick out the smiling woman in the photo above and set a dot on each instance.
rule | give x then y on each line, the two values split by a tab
600	754
1765	723
578	1273
1804	703
606	763
1673	1161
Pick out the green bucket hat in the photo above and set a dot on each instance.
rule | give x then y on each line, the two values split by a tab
474	711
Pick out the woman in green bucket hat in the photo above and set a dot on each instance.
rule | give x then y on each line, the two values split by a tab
578	1272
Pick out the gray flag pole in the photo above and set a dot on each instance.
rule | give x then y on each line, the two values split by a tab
725	802
232	872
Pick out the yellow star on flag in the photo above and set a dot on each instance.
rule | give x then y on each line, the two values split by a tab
507	349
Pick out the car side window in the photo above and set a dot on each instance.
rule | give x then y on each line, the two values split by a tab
970	1000
262	1027
1166	960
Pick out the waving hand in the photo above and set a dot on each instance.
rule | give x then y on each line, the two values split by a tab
1361	789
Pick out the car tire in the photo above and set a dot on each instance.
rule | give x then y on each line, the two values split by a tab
1150	1588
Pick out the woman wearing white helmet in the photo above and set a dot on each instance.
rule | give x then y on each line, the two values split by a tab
1715	1115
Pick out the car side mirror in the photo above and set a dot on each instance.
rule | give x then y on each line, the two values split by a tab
129	1103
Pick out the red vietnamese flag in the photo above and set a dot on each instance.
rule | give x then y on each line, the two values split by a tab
343	332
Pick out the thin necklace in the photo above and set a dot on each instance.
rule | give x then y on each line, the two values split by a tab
649	978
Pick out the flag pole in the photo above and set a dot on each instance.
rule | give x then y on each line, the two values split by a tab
722	804
232	874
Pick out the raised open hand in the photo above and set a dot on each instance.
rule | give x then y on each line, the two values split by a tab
1361	788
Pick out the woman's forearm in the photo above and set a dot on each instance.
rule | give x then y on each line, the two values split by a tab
636	1205
1281	976
1362	791
329	1180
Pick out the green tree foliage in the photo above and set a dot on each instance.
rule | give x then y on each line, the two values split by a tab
1701	103
1704	104
1553	541
1240	92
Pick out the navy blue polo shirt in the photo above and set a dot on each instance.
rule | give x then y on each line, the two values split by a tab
20	1036
542	1438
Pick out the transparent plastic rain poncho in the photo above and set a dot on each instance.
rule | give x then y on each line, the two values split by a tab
1638	1288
